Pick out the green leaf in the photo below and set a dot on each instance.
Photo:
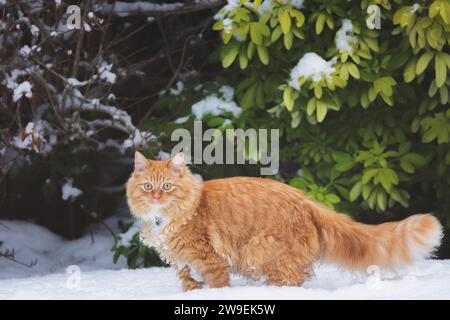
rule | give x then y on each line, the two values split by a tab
296	119
256	33
299	17
344	166
288	39
353	70
415	158
250	50
299	183
229	53
423	62
320	22
381	200
285	21
321	111
407	166
332	198
372	199
410	70
440	70
277	32
243	59
288	98
248	98
263	54
355	191
215	122
311	107
368	175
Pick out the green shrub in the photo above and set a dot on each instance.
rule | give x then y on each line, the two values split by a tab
371	122
363	113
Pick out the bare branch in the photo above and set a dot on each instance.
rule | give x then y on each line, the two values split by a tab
157	9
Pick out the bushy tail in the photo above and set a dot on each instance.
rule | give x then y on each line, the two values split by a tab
356	246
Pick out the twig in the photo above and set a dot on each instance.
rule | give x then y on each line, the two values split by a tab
10	255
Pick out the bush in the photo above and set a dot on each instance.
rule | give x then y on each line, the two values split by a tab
366	110
69	102
363	112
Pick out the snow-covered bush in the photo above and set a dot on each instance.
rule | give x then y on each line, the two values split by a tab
130	246
65	134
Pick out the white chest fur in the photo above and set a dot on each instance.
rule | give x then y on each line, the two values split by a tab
157	223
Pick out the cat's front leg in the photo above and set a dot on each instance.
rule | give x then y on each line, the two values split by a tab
213	269
187	281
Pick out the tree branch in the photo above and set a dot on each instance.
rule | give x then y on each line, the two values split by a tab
157	9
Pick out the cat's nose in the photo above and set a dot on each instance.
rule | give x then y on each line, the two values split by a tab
156	196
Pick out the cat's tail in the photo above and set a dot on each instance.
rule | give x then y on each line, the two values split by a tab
356	246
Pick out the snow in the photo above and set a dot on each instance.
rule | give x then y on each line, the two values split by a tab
23	89
105	73
227	25
69	192
344	39
215	106
126	237
295	3
33	137
231	6
428	280
52	253
87	27
415	7
179	87
227	92
83	269
25	51
75	82
265	6
311	66
125	8
34	30
181	120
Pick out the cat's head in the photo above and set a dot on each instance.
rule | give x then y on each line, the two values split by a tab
157	186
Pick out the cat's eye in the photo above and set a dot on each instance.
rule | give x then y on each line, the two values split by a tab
166	186
148	186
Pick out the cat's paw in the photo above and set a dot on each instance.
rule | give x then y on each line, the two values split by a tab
192	285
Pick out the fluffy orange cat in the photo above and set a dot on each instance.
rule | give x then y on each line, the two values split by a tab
259	228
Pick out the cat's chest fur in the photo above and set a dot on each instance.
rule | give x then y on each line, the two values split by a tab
156	222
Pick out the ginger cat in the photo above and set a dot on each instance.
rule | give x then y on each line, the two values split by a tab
259	228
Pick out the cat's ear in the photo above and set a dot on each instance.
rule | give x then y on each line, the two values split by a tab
178	163
140	162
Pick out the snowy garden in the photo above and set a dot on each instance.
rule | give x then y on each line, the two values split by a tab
358	91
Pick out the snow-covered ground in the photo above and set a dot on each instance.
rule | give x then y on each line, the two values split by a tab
49	253
99	278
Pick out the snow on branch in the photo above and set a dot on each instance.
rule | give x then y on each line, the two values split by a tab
155	9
